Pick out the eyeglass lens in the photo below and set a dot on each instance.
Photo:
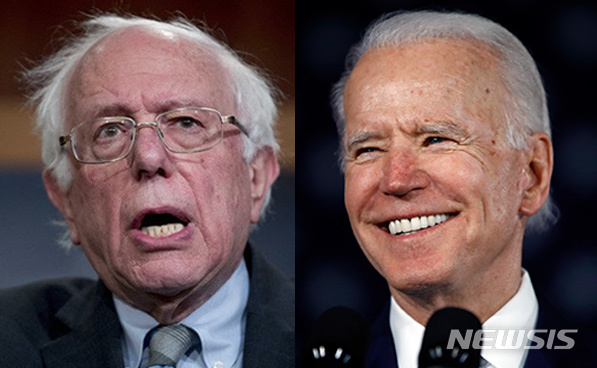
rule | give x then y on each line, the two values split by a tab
182	131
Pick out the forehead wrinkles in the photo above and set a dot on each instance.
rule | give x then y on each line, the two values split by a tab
183	65
426	61
418	80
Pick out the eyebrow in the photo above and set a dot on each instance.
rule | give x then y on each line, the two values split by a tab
434	127
360	138
440	127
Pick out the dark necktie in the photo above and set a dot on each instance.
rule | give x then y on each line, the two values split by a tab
168	344
485	364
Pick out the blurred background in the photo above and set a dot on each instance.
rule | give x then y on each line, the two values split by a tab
331	269
561	36
262	30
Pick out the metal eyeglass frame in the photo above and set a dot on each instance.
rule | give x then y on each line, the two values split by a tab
225	119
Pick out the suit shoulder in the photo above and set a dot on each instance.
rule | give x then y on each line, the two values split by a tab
269	340
27	317
273	288
41	298
579	352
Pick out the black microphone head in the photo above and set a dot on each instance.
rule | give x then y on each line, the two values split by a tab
339	339
440	349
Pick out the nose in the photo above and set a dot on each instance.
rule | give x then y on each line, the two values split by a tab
149	156
403	174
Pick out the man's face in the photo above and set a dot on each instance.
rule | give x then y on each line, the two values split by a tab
424	145
210	196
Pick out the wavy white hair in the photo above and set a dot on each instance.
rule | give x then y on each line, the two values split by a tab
526	104
255	97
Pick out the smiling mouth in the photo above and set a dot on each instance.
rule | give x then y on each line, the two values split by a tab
415	224
160	225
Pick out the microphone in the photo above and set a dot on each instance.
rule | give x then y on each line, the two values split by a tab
338	340
434	350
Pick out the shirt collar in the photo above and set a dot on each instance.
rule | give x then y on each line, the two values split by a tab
519	313
219	322
407	334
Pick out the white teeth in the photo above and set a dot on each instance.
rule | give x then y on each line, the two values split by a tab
392	227
398	227
431	220
405	225
161	231
414	224
424	222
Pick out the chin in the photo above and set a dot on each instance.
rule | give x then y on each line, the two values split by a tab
419	278
164	280
417	287
166	287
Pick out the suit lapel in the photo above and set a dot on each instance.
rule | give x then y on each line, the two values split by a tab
94	337
381	352
549	319
269	337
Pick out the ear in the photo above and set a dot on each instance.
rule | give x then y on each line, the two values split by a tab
59	198
539	167
263	171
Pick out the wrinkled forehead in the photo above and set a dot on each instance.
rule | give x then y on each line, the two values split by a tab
159	40
127	56
426	78
448	60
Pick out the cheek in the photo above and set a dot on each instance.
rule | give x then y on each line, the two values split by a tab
221	188
99	192
501	169
487	184
98	176
508	185
458	175
232	205
359	183
349	190
96	196
230	176
87	201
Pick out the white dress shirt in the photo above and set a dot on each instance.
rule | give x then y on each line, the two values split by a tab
519	313
219	322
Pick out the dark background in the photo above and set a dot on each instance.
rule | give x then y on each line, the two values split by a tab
562	262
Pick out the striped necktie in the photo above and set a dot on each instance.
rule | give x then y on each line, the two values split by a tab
168	344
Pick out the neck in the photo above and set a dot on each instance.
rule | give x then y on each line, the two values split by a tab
172	308
482	294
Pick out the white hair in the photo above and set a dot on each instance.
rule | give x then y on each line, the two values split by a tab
526	104
254	96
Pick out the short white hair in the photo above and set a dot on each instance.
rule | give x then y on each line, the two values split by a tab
526	103
254	95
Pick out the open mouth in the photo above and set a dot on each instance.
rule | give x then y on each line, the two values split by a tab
159	225
415	224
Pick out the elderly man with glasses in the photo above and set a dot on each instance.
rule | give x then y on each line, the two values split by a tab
160	154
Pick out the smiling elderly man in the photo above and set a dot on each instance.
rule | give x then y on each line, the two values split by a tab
160	154
447	155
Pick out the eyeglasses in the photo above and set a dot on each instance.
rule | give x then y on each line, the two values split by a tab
183	130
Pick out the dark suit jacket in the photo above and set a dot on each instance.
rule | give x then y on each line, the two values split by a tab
381	353
72	323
